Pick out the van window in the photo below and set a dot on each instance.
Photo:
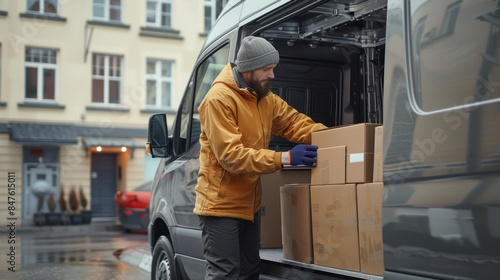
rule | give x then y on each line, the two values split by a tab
441	36
208	71
188	124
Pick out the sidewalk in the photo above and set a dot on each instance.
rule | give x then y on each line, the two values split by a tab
140	257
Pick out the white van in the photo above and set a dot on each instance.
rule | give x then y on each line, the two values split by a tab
428	70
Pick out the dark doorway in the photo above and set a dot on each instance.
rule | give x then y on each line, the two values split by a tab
103	184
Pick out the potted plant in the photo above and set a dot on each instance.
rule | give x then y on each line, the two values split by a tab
39	216
63	206
52	218
74	205
86	214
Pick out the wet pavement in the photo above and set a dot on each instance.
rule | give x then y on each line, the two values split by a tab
96	251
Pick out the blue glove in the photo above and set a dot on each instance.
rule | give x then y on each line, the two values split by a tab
303	154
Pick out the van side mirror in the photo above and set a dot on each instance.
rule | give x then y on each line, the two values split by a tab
157	145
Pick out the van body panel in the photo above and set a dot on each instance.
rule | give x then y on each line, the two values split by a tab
228	20
258	8
190	268
441	148
188	242
429	71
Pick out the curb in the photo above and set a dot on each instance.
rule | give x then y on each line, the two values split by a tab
65	229
139	257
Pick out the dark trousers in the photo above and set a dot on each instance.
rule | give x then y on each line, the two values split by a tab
231	247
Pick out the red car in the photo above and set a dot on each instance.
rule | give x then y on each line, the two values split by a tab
133	207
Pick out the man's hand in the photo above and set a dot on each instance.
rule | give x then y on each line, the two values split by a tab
303	154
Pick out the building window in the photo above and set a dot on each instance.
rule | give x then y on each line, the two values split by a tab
213	8
107	10
106	78
42	6
158	83
159	13
40	75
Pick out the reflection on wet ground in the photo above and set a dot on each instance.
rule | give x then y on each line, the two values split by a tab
74	256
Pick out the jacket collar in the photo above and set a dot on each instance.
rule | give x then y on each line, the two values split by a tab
230	78
239	80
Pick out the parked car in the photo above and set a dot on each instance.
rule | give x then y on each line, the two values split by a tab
132	207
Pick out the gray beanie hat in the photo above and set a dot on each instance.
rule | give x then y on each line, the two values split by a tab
255	53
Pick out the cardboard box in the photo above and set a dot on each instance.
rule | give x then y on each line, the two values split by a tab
359	142
371	244
359	168
296	222
378	155
270	222
330	166
358	138
335	226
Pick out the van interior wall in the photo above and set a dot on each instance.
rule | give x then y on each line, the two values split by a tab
327	83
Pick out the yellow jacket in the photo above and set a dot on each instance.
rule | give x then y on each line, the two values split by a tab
235	135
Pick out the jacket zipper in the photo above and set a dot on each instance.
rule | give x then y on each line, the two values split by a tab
263	146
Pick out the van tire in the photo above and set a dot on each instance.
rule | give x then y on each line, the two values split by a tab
163	265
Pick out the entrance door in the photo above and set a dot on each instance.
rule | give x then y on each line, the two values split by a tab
40	180
103	184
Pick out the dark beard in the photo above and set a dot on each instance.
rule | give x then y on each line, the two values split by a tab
260	89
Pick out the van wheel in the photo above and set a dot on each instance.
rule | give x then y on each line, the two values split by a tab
163	266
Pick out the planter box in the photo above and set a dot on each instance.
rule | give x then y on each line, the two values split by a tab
86	216
76	219
65	219
53	219
39	219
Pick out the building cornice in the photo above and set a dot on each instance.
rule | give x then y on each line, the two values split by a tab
106	108
109	24
162	33
40	105
88	130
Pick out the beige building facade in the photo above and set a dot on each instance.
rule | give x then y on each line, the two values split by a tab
79	81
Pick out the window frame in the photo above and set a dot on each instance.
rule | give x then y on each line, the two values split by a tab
42	7
158	14
106	78
40	80
199	84
107	11
159	79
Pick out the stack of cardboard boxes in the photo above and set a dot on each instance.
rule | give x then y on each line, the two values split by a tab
369	198
270	222
336	221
